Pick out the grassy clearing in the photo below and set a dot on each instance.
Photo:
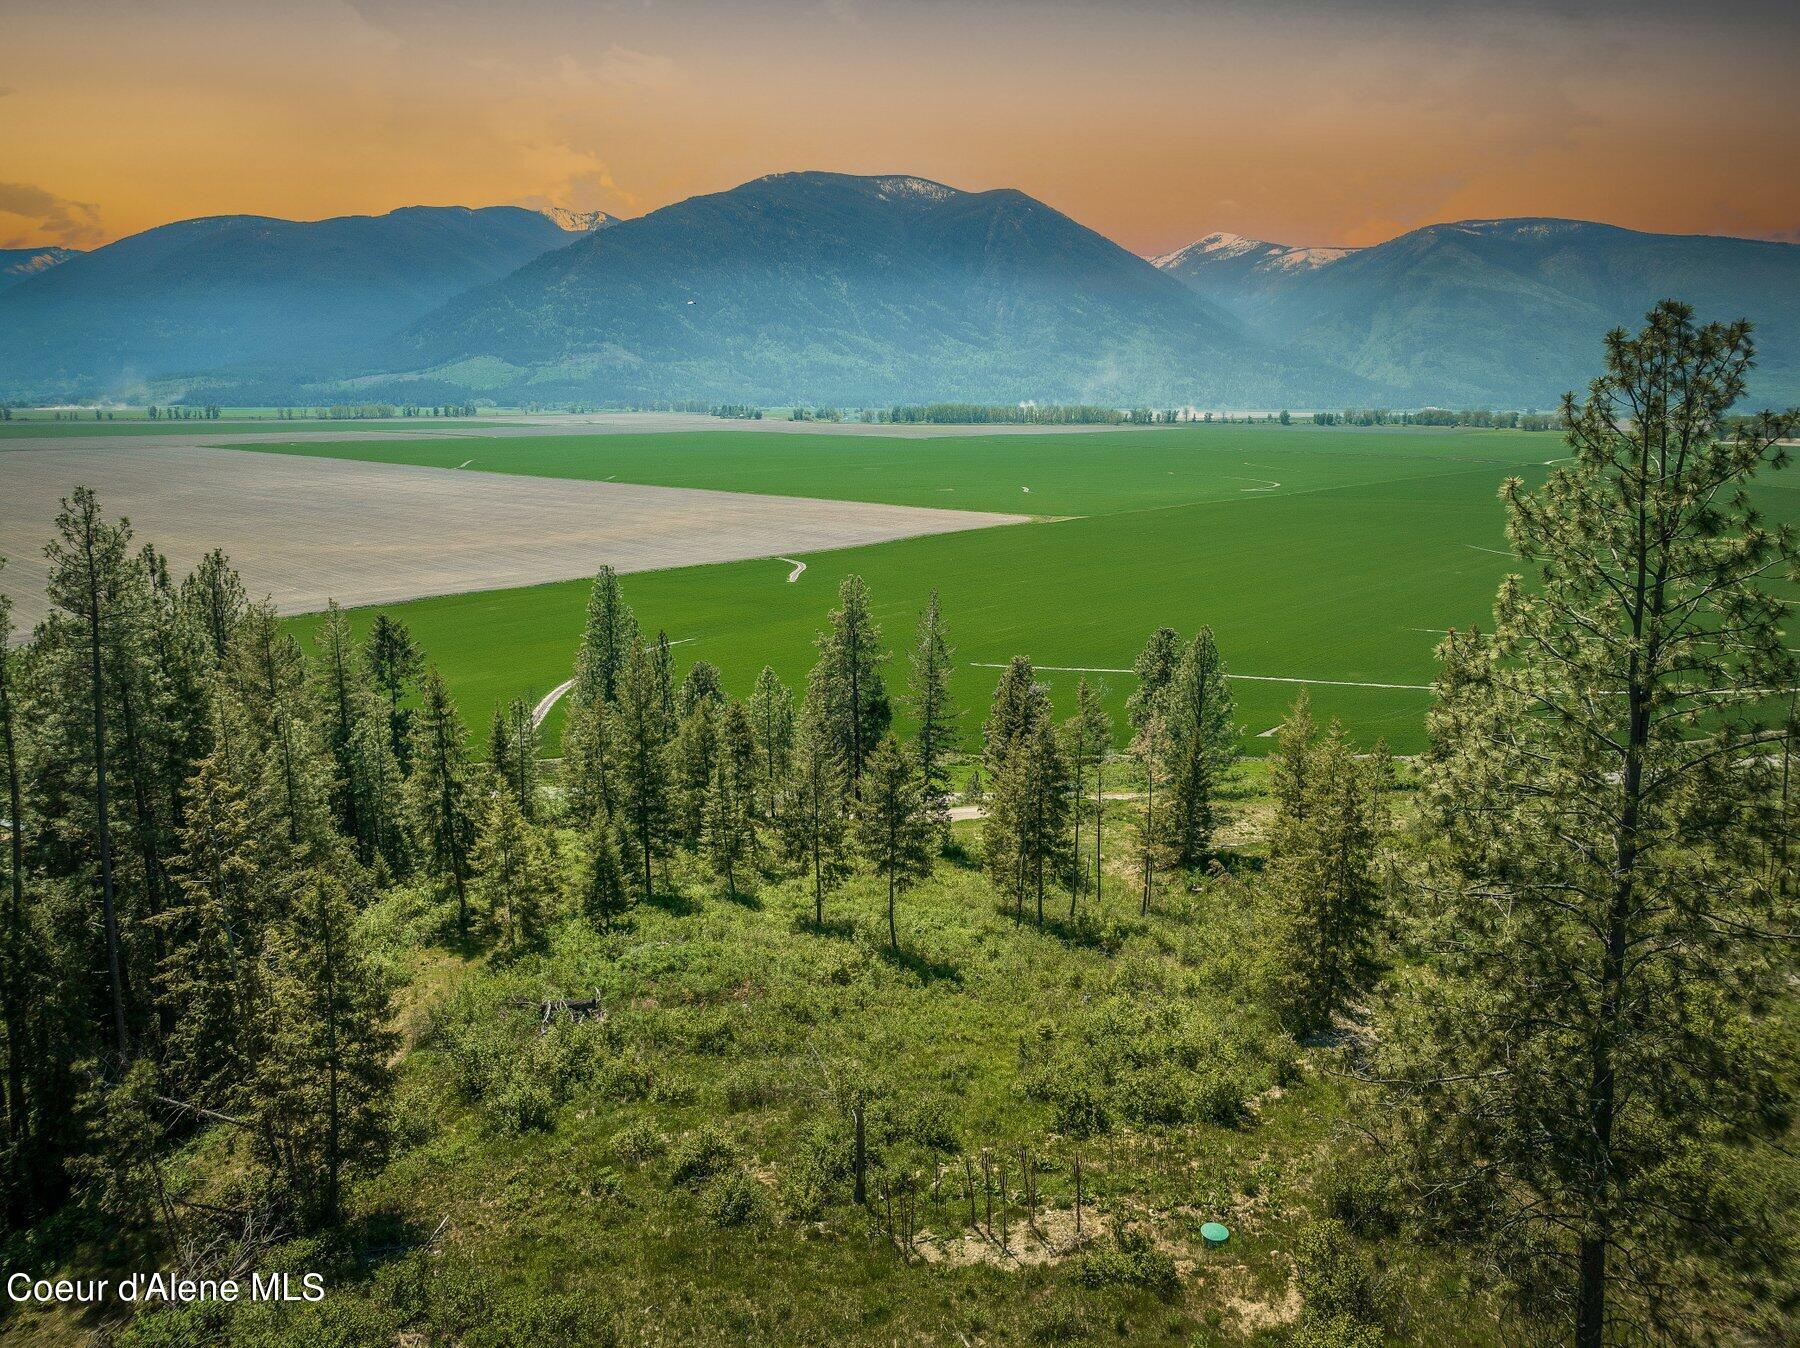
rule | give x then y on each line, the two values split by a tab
678	1173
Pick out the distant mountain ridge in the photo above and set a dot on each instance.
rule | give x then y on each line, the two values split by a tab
836	288
1500	312
231	291
17	264
833	288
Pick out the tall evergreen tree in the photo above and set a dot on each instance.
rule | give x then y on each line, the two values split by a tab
1020	705
1585	1057
320	1100
849	676
771	711
439	792
1290	772
395	664
1025	836
515	876
212	979
17	986
813	818
89	562
929	689
696	756
365	779
214	597
589	787
646	807
603	895
894	831
1153	668
728	828
1198	742
1087	740
608	640
1323	879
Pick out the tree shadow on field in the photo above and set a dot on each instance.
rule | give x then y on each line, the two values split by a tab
959	856
743	899
1237	865
381	1237
840	928
675	905
923	967
1088	932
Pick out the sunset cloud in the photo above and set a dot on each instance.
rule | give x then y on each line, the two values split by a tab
1151	120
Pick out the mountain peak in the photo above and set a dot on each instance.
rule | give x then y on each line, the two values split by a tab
577	222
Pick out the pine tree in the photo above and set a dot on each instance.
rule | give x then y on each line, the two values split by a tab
728	829
603	894
364	789
320	1099
1290	770
696	755
17	985
290	772
1152	843
608	640
849	677
701	686
1585	1061
97	607
212	980
894	831
214	598
1154	667
1198	743
813	817
771	711
1323	879
646	810
513	754
587	770
395	664
438	792
1087	740
515	876
1020	705
934	712
1026	834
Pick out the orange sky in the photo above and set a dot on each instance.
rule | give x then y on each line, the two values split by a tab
1154	121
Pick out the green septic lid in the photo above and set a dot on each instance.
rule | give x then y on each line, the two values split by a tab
1215	1233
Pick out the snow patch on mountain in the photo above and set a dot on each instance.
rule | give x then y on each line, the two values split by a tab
1223	247
577	222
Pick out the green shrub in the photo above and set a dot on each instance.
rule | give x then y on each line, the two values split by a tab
1129	1259
731	1199
700	1156
638	1142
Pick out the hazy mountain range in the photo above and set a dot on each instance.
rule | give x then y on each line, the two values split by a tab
1497	312
820	287
247	291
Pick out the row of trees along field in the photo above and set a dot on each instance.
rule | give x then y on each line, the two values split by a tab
1578	1023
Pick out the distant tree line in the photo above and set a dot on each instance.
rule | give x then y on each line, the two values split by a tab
1437	416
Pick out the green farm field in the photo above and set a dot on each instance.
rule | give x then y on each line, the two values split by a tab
1343	574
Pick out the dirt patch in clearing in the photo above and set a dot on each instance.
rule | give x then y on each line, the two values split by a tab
1050	1238
304	530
